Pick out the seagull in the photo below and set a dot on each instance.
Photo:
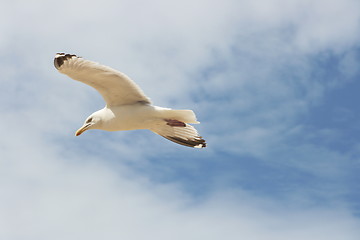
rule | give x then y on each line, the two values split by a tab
127	107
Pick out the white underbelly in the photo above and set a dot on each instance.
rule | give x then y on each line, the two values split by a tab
131	117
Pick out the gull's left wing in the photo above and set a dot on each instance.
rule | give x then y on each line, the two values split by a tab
115	87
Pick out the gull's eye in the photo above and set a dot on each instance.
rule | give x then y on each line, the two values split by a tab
89	120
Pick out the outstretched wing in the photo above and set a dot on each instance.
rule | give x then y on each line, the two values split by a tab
179	132
115	87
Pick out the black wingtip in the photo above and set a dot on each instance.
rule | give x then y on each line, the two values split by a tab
60	58
198	142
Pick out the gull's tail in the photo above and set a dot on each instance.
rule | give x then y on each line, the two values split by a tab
174	127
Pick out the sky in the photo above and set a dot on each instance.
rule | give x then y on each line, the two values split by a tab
274	84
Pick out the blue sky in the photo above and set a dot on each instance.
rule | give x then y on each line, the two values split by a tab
274	84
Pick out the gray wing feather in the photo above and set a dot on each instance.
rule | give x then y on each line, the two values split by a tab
184	135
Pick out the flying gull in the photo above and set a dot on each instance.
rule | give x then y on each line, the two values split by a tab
127	107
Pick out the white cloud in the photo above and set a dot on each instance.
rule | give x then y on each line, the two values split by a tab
45	196
251	58
244	66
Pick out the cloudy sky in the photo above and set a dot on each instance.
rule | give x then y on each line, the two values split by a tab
275	84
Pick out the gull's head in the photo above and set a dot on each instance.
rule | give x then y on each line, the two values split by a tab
92	122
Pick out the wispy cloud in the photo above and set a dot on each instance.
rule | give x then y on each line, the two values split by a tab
255	72
83	198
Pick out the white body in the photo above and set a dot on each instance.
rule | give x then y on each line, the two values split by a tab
127	117
139	116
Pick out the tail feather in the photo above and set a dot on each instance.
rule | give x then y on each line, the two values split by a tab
186	116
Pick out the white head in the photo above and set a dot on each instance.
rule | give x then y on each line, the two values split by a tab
94	121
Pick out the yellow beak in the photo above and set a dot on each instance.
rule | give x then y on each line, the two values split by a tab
82	129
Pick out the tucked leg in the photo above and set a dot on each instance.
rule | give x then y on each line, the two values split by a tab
174	123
